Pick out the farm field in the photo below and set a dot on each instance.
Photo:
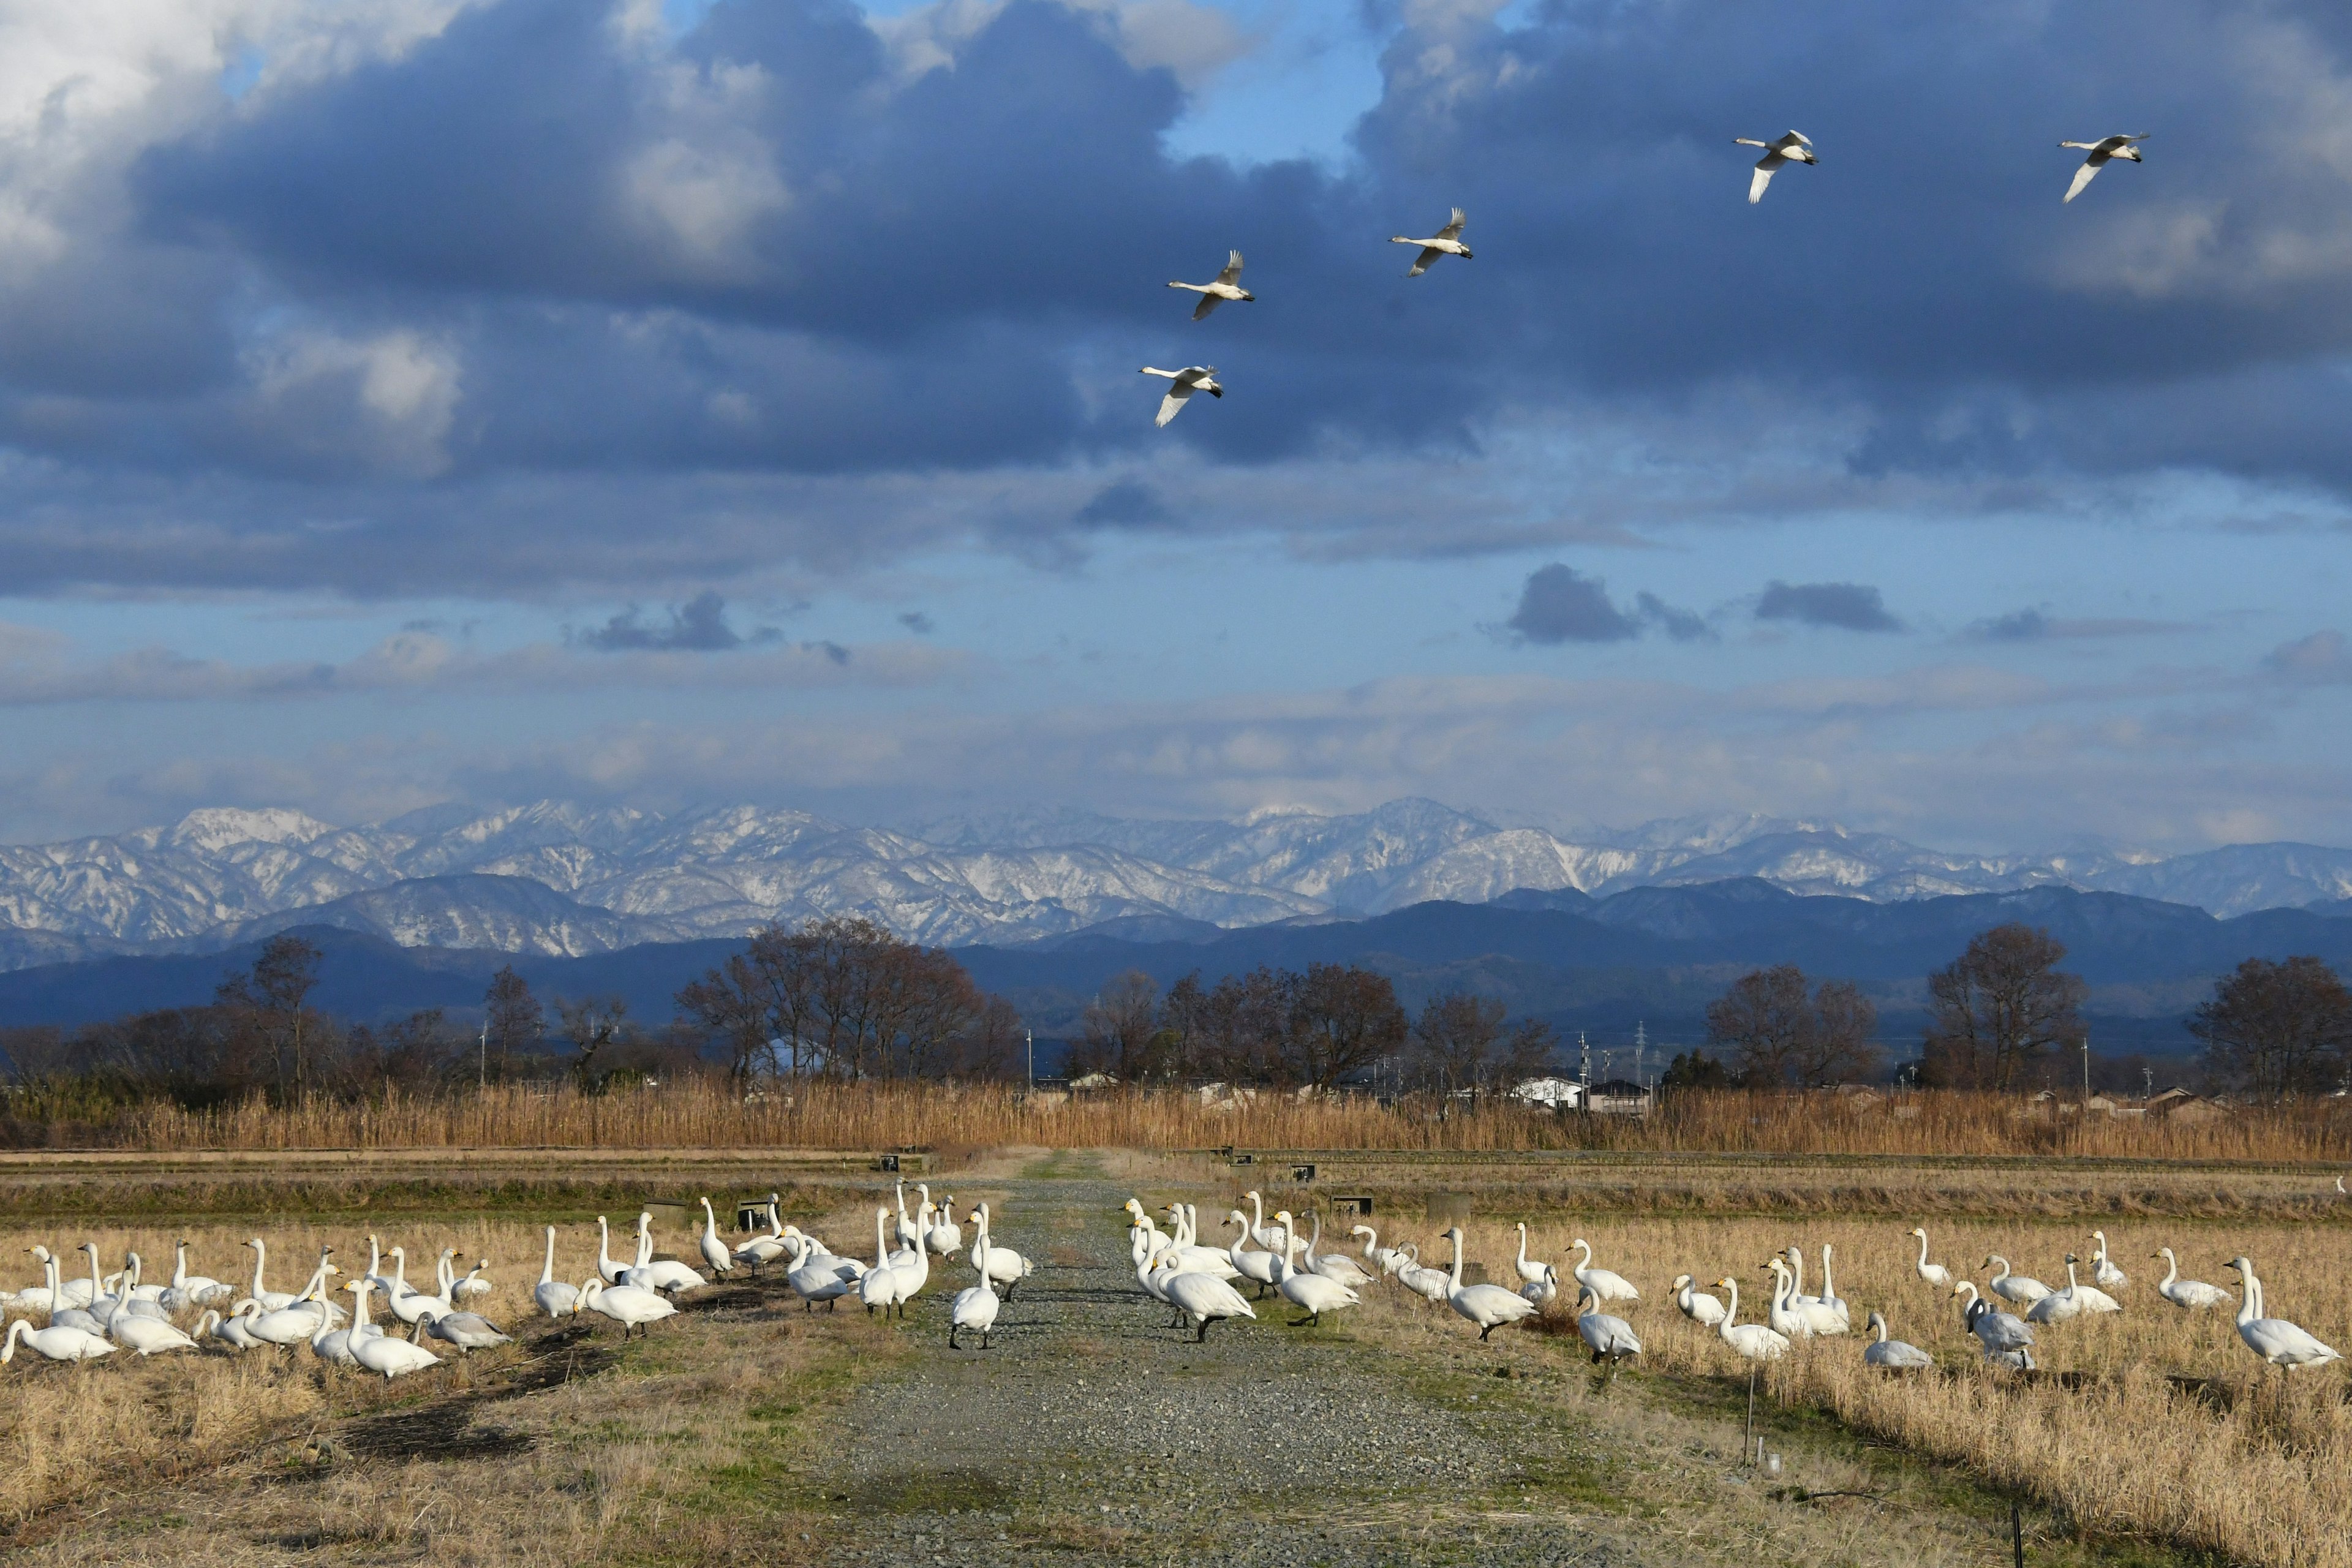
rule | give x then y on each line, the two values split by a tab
749	1429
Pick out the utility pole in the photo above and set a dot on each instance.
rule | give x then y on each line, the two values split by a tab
1640	1044
2086	1091
1584	1074
482	1073
1031	1034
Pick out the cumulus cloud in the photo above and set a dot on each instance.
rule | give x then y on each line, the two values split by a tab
1847	607
2033	625
2322	659
1560	605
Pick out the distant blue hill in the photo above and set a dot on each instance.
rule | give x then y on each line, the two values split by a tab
1652	954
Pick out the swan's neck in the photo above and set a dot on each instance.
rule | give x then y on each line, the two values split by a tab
1829	1290
2171	1268
547	1273
260	1256
881	1243
644	1243
1796	1271
180	1265
1457	1263
1923	1249
16	1330
1523	1244
2071	1286
1731	1308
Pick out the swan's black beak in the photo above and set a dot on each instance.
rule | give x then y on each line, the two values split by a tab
1248	297
1216	392
1466	255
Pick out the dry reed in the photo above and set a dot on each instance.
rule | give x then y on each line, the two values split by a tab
704	1114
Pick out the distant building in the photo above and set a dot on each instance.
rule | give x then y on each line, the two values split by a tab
1552	1093
2179	1104
1620	1097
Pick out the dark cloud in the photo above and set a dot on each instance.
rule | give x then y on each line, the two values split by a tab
698	626
491	275
1123	503
2017	626
1560	605
918	622
1682	626
1848	607
2320	659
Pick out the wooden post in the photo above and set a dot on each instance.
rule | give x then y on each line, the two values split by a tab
2017	1532
1746	1447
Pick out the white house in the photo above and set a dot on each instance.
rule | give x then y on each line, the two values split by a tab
1551	1093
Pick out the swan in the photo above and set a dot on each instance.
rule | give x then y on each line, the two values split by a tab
2100	153
1268	1236
1784	1315
473	1284
909	1233
61	1315
1192	378
2013	1288
1002	1265
2089	1296
1605	1287
66	1292
1610	1339
666	1274
975	1305
186	1289
1433	1285
631	1305
56	1342
147	1335
1446	241
715	1252
1818	1316
814	1277
1207	1300
412	1307
1752	1341
1390	1258
230	1331
607	1270
885	1284
288	1326
2282	1344
1893	1354
469	1332
101	1307
1311	1293
1227	286
1531	1271
333	1345
2192	1294
1542	1292
381	1353
1793	148
1336	1266
555	1296
1488	1306
945	1237
1935	1274
1180	1249
135	1270
41	1298
2103	1272
764	1246
815	1254
271	1300
1698	1307
2006	1340
1262	1267
1828	1292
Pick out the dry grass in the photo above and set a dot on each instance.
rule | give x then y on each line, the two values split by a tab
2154	1422
701	1114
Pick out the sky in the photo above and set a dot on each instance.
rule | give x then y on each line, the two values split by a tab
678	402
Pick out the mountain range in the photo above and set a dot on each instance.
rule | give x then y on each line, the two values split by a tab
560	879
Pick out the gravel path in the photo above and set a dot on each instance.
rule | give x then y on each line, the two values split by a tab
1093	1430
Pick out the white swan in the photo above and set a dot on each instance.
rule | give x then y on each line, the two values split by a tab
715	1252
1609	1339
945	1237
147	1335
1311	1293
1432	1285
1752	1341
1605	1287
473	1284
411	1306
1002	1265
2006	1340
1265	1268
56	1342
1488	1306
469	1332
1227	286
2077	1299
1204	1299
271	1300
1820	1316
230	1331
1446	241
975	1305
765	1246
1787	1321
555	1296
1336	1267
1935	1274
1268	1236
631	1305
1828	1292
386	1354
885	1284
2192	1294
1532	1270
2100	153
607	1270
1896	1355
1391	1259
1792	148
2013	1288
2282	1344
2105	1273
814	1277
1696	1305
908	1231
664	1274
186	1289
1192	378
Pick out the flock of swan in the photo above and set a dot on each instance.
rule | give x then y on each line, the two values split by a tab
1201	1283
1791	147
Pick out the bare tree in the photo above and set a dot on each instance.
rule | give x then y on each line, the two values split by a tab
1345	1019
1837	1048
1997	1008
1454	1043
512	1016
2277	1029
1118	1032
273	1000
594	1025
1763	1020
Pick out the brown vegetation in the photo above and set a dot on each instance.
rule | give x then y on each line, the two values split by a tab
700	1114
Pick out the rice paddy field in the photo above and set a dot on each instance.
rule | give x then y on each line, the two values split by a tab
750	1428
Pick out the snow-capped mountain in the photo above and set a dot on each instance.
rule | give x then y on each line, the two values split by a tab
556	878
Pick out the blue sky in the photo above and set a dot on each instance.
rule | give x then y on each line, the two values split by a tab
407	400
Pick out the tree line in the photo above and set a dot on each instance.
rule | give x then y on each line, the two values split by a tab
2001	1015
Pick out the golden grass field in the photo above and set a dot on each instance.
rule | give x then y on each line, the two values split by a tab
708	1114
